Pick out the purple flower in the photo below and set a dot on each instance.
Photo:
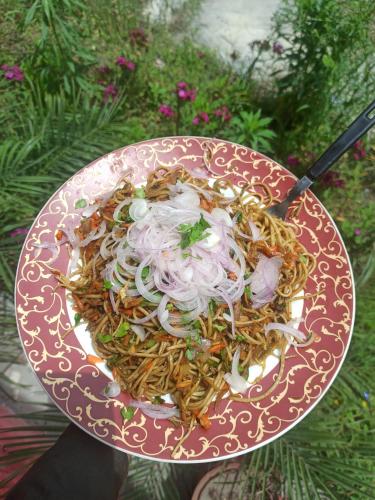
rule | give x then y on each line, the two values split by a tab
366	395
201	117
223	113
333	179
125	63
277	48
204	117
110	91
166	110
13	73
293	161
103	70
19	231
184	93
138	37
357	231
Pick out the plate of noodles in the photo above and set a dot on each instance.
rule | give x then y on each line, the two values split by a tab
166	313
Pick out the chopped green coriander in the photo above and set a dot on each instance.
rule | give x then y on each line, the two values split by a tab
150	343
185	320
188	341
128	219
122	330
127	412
219	328
212	307
303	259
240	338
239	216
77	319
169	307
107	285
190	354
197	338
212	362
197	325
185	255
80	203
140	193
145	272
192	234
111	224
104	338
248	293
158	400
111	362
241	369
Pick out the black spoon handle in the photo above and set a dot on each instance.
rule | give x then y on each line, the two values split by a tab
357	129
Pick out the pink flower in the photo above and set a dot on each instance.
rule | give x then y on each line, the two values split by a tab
138	37
357	231
201	117
204	117
333	179
110	91
121	61
103	70
166	110
223	113
13	73
184	93
125	63
359	150
19	231
293	161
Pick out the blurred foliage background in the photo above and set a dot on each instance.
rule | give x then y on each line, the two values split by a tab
79	79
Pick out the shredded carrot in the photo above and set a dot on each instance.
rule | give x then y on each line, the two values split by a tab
164	338
149	365
78	302
204	420
217	347
59	234
184	383
90	358
94	221
232	276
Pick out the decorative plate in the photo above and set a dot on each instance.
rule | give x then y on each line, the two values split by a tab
44	316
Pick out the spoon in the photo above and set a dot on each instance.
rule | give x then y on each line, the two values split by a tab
357	129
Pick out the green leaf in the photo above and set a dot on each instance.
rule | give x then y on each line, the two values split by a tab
192	234
219	328
104	338
238	216
150	343
303	259
145	272
140	193
212	307
77	319
122	330
240	338
127	413
248	292
190	354
80	203
107	285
